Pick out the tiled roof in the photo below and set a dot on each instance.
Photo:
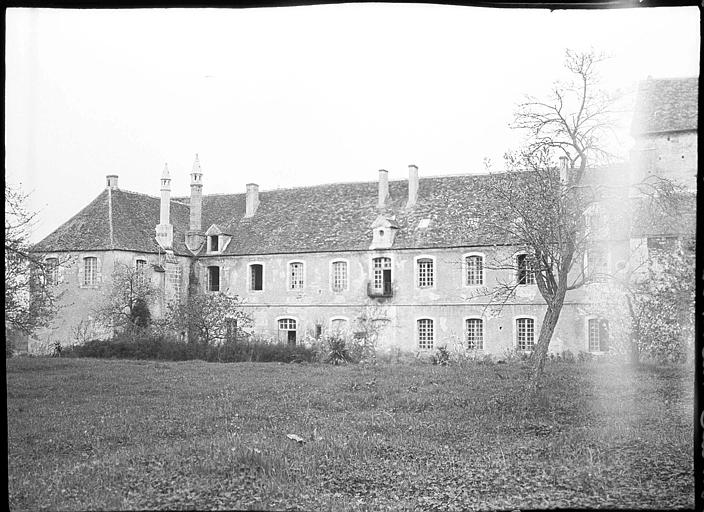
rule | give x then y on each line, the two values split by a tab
335	217
666	105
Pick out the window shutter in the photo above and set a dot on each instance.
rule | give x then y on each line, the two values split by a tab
98	271
81	271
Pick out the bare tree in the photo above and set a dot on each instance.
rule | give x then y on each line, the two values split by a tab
31	293
540	206
126	303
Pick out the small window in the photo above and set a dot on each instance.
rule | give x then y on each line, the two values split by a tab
90	271
214	243
318	331
598	333
526	275
339	276
213	279
140	268
295	276
426	275
51	271
287	330
426	336
256	277
474	333
474	266
525	334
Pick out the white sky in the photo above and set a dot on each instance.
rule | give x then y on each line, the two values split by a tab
294	96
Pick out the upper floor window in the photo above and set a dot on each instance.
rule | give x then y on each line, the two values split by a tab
140	268
526	274
425	273
213	279
382	274
474	270
52	271
214	243
90	271
256	277
339	276
597	263
525	334
598	334
295	274
474	333
426	334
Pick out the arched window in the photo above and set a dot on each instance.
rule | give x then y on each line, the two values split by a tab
140	268
425	273
382	275
426	334
256	277
287	330
295	275
339	276
474	333
338	325
525	274
525	334
213	279
90	271
52	271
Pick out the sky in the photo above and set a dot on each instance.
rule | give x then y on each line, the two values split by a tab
294	96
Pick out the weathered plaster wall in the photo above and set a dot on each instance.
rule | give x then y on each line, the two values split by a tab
670	155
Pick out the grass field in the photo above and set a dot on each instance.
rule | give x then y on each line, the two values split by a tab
98	434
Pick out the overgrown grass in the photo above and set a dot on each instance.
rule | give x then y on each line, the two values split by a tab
96	434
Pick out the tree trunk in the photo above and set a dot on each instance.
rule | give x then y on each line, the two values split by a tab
540	350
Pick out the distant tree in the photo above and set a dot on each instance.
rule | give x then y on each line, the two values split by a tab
125	305
208	318
31	294
541	206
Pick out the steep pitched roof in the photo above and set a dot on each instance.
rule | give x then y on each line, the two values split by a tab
666	105
116	220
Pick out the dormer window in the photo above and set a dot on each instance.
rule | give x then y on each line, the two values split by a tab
214	243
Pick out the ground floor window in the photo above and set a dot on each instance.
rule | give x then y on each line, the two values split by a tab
474	333
287	330
525	334
426	335
598	333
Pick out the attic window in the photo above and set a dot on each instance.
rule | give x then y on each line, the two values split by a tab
381	232
214	243
423	224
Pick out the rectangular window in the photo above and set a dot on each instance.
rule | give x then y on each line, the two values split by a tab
598	332
140	267
213	279
474	329
525	334
214	239
90	271
52	271
296	276
475	271
597	264
425	273
382	273
339	276
426	336
256	277
526	275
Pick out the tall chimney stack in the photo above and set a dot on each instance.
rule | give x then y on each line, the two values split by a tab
383	187
164	230
412	185
252	200
196	201
111	181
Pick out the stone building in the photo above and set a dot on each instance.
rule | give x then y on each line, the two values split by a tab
311	260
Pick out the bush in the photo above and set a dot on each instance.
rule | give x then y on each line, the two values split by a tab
337	350
441	356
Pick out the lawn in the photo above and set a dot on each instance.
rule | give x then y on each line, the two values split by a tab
99	434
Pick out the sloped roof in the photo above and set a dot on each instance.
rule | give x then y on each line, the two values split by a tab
116	220
334	217
666	105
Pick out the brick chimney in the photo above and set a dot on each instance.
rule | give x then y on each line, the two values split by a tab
383	187
196	201
111	181
252	201
164	230
195	236
412	185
